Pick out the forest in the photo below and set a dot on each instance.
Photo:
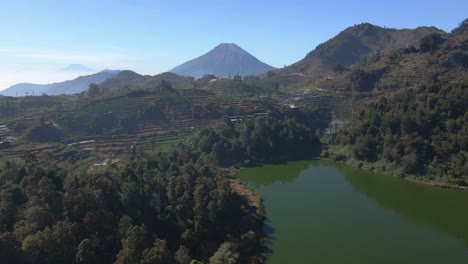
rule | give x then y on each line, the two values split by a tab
419	132
291	135
178	205
164	207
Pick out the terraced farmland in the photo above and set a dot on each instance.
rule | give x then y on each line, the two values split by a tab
342	107
102	128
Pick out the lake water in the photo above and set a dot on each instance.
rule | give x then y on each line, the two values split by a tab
325	212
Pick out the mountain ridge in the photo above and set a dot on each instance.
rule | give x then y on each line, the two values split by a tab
129	80
434	59
76	85
355	43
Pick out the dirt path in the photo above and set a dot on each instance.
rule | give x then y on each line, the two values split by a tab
252	197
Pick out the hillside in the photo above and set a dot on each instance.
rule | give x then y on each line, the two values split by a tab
227	59
410	115
128	80
434	58
67	87
91	128
354	44
134	110
462	29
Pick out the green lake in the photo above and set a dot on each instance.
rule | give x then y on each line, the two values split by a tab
325	212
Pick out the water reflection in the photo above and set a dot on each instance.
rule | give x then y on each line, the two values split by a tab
263	176
324	212
443	209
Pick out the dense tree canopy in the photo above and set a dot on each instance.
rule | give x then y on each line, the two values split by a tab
156	209
171	207
423	131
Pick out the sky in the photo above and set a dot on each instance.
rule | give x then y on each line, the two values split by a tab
37	38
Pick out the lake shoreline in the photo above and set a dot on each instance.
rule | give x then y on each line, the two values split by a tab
414	180
298	197
255	202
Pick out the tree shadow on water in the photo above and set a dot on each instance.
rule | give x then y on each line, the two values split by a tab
268	232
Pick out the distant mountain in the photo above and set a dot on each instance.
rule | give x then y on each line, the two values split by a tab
354	44
67	87
225	60
129	80
77	68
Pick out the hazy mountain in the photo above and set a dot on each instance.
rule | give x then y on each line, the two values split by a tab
134	81
77	68
224	60
354	44
76	85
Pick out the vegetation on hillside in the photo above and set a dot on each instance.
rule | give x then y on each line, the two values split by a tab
290	135
170	207
433	58
354	44
416	124
178	206
167	208
420	132
127	81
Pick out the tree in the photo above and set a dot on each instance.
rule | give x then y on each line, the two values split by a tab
132	245
182	255
52	245
129	123
8	210
153	145
159	253
271	73
9	248
165	86
462	28
339	68
226	254
431	42
93	90
409	163
86	252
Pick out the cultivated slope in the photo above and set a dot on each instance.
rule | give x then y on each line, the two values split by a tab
129	80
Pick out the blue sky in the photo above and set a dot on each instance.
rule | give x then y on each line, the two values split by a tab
154	36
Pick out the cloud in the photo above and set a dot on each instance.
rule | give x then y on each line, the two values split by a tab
31	65
9	78
21	59
22	65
